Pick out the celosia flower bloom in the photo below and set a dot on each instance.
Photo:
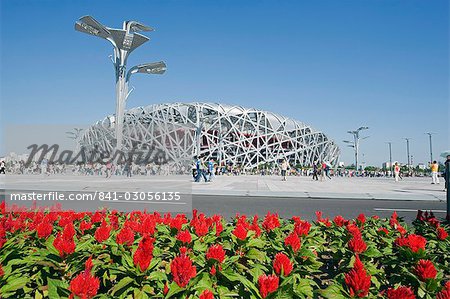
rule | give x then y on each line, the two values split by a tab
184	236
271	222
357	245
339	220
240	232
216	252
294	241
425	270
102	233
85	285
267	284
441	233
144	253
182	270
125	236
301	227
401	293
445	292
64	242
206	294
44	229
413	242
282	264
357	280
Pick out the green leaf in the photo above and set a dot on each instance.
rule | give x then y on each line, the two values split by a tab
256	242
57	288
256	254
174	289
122	286
14	283
333	292
304	288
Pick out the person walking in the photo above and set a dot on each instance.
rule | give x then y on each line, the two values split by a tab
200	170
434	172
322	167
284	168
315	170
396	171
210	170
2	167
194	168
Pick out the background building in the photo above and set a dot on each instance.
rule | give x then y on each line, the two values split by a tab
234	135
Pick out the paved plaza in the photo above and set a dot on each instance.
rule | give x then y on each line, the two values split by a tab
245	185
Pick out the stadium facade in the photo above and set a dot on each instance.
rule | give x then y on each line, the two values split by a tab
229	134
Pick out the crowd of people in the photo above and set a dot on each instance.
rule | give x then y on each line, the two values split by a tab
203	170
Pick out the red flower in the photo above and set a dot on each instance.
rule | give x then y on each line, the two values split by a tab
441	233
184	236
357	245
413	242
166	289
354	230
219	227
301	227
84	225
425	270
207	294
240	232
357	280
102	233
216	252
64	242
361	218
339	220
213	270
85	285
125	236
144	253
255	227
271	222
401	230
267	284
400	293
294	241
44	229
282	264
1	271
325	221
445	292
182	270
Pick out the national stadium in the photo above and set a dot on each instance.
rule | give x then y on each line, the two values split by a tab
229	134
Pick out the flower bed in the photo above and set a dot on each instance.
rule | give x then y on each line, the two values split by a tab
140	255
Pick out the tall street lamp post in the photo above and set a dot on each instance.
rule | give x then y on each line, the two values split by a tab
124	41
407	153
431	146
355	143
390	156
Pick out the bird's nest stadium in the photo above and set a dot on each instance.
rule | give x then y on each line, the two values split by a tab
229	134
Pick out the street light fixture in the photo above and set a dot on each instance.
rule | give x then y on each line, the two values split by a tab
355	143
124	41
407	153
431	146
390	156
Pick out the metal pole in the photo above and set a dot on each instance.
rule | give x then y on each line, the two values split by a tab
390	156
431	147
356	138
407	153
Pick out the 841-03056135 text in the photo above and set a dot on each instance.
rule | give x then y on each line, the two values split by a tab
135	196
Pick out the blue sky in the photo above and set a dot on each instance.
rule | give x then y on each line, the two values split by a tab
335	65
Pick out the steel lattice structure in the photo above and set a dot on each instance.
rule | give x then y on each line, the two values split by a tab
228	134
